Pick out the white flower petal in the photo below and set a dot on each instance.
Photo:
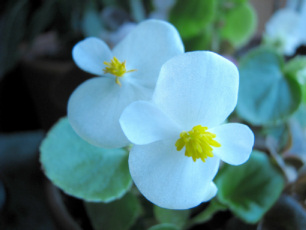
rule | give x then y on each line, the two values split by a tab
168	178
283	27
143	123
282	22
146	48
302	23
197	88
94	109
236	141
90	53
210	192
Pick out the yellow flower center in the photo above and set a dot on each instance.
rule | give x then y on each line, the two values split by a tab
198	142
116	68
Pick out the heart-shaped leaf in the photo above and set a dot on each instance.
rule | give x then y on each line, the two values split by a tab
237	31
81	169
266	95
250	190
190	17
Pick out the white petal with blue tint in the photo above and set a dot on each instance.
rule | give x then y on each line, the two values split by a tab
302	23
197	88
236	142
94	109
211	191
90	53
147	48
143	123
168	178
283	27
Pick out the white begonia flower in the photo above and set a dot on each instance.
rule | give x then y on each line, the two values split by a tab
127	73
179	137
287	28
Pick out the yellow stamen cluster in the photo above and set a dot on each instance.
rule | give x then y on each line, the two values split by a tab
116	68
198	142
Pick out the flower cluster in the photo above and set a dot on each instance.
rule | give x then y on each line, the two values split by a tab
169	104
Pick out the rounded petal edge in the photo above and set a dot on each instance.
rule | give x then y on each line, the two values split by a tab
211	192
199	87
94	109
236	141
147	48
89	55
168	178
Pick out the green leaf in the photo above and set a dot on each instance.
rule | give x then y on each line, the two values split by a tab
201	41
266	95
190	17
250	190
300	116
240	23
164	227
168	216
279	133
296	68
120	214
83	170
304	92
231	3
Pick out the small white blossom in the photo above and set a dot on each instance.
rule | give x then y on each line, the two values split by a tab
179	137
286	28
125	74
